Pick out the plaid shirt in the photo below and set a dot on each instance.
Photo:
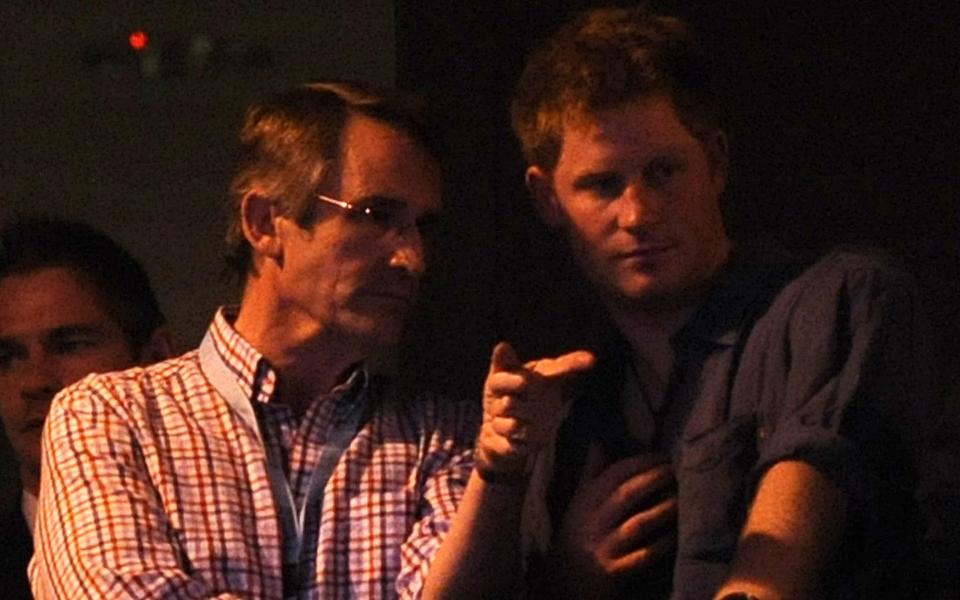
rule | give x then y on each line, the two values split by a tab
153	486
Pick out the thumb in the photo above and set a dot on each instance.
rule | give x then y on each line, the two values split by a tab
504	358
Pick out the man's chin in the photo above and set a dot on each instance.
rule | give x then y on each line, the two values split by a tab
651	296
378	332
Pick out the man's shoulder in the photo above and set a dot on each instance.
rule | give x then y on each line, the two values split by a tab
854	261
137	385
427	410
844	276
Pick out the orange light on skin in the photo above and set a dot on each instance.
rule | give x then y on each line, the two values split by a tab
138	40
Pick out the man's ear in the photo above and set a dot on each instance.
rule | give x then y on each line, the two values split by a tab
257	214
158	347
540	185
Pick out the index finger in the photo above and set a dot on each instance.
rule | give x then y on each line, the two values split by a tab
563	365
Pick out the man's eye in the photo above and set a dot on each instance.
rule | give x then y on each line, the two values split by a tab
72	346
605	185
9	356
384	218
661	171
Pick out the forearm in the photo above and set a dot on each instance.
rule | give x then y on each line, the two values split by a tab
523	406
72	566
791	535
480	557
101	530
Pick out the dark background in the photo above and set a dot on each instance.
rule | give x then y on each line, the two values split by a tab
843	121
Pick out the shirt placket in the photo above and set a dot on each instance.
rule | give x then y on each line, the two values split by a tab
308	444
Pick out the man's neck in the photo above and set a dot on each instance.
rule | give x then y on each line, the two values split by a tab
309	360
649	334
30	479
649	326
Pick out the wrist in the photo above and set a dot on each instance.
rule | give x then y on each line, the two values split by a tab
502	478
514	471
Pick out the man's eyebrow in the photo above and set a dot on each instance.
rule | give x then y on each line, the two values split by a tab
394	203
12	348
72	330
588	179
380	200
9	342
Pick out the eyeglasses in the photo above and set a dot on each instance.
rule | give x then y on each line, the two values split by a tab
384	216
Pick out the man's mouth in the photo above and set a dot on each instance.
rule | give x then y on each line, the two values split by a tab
644	251
392	296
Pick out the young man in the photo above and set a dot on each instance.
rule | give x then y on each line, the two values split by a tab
270	462
72	302
791	403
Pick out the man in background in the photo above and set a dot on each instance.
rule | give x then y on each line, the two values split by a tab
72	302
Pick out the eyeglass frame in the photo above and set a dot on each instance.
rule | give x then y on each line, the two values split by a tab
369	212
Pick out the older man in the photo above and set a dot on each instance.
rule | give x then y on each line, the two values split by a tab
72	302
271	462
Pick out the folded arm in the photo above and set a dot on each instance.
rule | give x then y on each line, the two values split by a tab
101	528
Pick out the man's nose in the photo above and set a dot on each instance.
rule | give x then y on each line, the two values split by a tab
40	379
409	253
638	207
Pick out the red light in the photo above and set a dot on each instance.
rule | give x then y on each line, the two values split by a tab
138	40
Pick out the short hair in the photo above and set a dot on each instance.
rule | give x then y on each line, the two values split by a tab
31	243
287	144
603	59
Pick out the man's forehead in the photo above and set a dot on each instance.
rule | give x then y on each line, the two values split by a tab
375	137
649	120
580	115
47	299
381	160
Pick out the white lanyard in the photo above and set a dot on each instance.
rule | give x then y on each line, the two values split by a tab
292	517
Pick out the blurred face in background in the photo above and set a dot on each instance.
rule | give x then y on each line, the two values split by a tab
54	330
